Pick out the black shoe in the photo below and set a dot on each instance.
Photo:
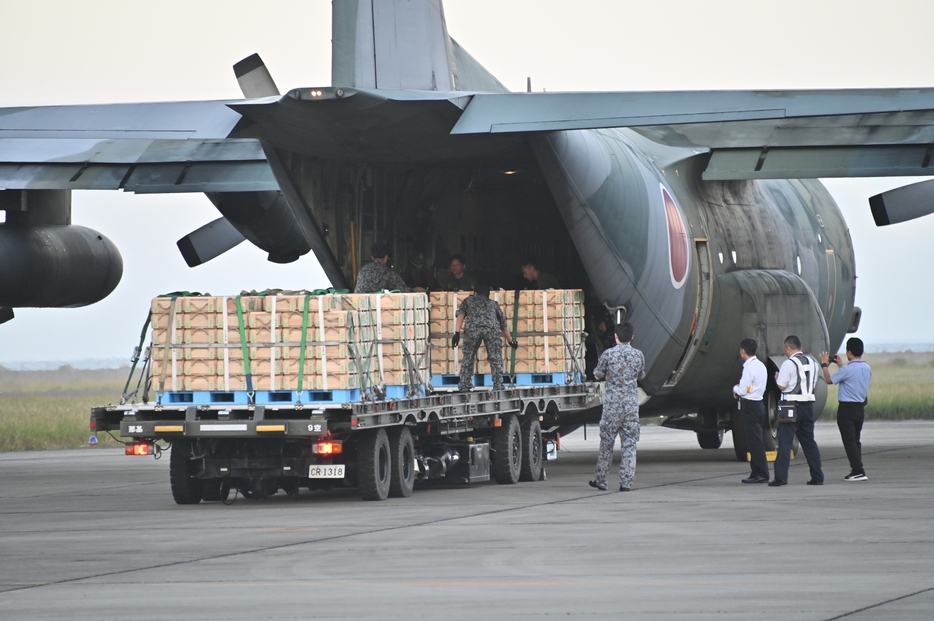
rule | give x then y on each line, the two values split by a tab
596	485
778	483
813	482
624	489
756	480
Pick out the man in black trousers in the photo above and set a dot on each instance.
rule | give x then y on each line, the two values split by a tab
853	380
750	391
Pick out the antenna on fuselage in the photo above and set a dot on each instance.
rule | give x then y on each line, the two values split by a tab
528	85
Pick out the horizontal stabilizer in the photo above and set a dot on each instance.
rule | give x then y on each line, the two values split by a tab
903	204
210	241
254	79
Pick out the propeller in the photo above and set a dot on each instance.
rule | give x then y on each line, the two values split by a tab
901	204
211	240
217	237
254	78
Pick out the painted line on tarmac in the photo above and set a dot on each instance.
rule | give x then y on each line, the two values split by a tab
285	546
296	544
888	601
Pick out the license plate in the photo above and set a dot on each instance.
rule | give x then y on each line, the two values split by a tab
334	471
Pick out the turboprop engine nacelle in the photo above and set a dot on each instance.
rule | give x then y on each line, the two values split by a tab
45	261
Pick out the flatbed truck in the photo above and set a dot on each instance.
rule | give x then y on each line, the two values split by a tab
268	441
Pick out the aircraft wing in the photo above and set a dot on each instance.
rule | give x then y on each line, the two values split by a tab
140	147
750	134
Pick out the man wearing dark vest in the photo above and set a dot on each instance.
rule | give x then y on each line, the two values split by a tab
797	379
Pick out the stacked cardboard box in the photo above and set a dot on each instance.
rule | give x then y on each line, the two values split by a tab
551	322
351	341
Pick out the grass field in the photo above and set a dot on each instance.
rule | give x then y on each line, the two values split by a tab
51	409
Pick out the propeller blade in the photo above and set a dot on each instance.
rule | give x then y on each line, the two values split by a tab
211	240
254	79
901	204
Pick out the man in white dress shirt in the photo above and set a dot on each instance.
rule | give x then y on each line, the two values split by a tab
797	379
749	391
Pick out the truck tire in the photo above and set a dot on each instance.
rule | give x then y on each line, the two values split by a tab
402	457
374	465
531	451
186	489
507	450
215	489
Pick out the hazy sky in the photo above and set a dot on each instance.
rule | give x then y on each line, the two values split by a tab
97	51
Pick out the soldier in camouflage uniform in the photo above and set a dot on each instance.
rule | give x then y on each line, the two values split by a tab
485	322
622	366
456	277
376	276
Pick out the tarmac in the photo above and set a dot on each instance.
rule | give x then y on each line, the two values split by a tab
94	534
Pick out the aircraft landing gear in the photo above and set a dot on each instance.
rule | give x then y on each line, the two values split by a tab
710	439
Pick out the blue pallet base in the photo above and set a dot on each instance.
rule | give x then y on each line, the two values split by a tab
260	397
519	379
274	397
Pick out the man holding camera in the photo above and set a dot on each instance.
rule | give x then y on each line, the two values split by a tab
853	380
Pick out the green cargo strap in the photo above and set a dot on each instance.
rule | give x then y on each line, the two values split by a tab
245	348
139	350
301	355
170	331
515	325
330	291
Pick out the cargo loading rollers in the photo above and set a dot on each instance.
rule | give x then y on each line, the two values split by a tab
261	393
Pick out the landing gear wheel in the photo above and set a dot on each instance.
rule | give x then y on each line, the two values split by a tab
507	450
215	489
186	489
402	457
531	451
770	429
374	465
739	435
710	439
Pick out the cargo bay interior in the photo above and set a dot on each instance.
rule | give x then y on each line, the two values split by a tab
497	215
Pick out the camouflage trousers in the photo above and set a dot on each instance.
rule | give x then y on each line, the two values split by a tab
627	427
494	353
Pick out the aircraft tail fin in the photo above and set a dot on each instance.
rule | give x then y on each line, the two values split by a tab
387	44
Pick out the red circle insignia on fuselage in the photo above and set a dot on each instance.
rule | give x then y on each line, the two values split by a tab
679	255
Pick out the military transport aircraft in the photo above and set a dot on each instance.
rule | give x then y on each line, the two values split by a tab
695	215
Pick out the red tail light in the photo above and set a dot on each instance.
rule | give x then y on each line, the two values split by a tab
327	448
139	448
